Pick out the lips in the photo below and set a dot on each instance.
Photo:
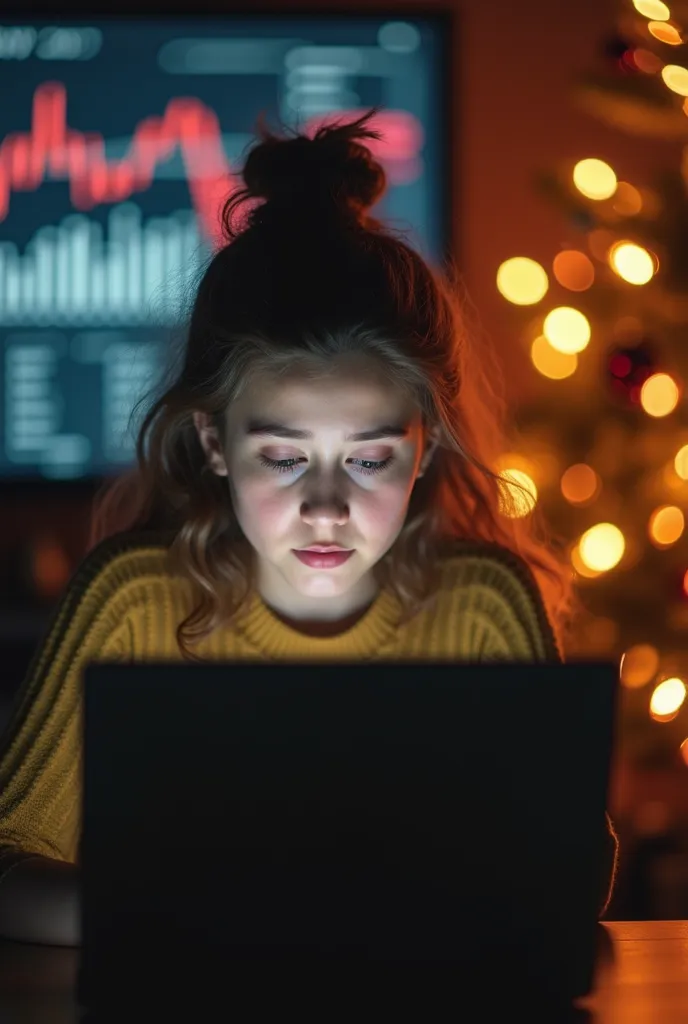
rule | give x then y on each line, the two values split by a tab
324	549
329	559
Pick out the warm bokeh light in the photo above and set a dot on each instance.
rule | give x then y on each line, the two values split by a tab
522	281
594	178
639	665
573	270
631	262
667	697
600	242
519	500
668	34
551	363
666	525
647	61
685	583
681	462
659	395
676	78
655	9
627	200
684	750
580	567
567	329
602	547
580	484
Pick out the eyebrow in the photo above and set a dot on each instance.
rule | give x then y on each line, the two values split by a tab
258	429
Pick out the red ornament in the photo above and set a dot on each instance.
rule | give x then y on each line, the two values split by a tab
628	368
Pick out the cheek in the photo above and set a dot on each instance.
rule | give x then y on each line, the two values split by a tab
261	508
384	509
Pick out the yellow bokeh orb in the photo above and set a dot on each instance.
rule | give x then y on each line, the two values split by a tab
639	665
632	263
655	9
681	462
518	494
594	178
579	565
551	363
676	78
666	525
659	395
668	34
567	330
522	281
684	750
667	697
602	547
580	484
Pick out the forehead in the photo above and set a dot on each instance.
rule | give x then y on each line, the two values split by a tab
347	395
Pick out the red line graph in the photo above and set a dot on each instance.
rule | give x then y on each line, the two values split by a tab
52	147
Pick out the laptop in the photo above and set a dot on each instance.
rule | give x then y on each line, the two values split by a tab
257	817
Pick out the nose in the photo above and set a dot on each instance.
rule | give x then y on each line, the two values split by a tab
325	508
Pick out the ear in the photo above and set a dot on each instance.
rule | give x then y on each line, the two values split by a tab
431	443
210	442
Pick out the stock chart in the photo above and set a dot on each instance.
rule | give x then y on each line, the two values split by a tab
120	144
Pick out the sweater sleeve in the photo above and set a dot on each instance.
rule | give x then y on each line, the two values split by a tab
40	755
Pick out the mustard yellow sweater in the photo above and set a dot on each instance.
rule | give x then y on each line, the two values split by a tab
124	603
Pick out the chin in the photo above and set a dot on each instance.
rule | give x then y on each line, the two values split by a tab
320	583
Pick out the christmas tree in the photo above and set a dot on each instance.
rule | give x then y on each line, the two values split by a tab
603	444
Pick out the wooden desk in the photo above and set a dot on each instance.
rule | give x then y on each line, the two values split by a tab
645	981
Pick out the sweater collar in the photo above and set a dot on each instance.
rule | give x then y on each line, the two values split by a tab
275	639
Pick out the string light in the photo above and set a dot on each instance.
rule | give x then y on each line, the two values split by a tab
639	665
631	262
666	525
676	78
522	281
594	178
659	395
667	698
602	547
567	330
627	200
654	9
518	494
573	270
681	462
580	484
550	362
665	33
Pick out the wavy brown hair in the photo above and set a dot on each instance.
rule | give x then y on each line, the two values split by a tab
307	275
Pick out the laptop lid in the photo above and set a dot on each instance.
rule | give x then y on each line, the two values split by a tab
389	813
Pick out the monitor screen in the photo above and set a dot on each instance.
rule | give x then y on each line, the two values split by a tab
117	150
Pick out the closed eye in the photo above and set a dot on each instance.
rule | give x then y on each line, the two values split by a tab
367	466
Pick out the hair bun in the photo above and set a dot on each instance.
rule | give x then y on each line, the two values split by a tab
301	174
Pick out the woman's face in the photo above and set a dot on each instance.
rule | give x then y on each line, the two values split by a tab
320	460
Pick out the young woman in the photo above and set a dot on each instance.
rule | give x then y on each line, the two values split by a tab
316	481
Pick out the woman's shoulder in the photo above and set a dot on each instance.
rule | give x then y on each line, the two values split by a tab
118	561
122	573
498	585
